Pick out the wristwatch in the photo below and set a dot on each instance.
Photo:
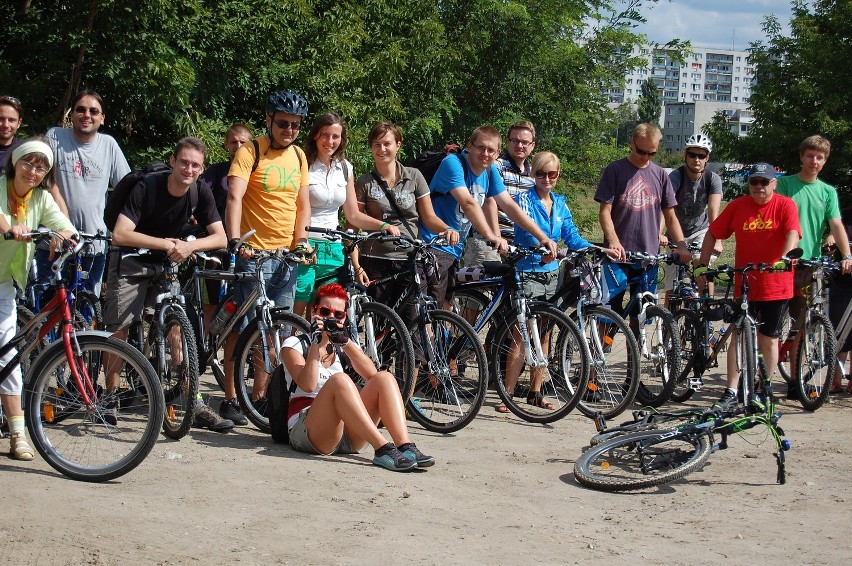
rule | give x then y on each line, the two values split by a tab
847	256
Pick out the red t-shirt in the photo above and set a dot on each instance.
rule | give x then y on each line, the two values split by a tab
761	231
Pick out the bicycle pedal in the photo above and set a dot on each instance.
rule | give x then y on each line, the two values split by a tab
695	383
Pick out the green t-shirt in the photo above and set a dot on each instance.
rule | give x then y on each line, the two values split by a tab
817	204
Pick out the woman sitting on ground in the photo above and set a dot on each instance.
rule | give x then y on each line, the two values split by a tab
327	413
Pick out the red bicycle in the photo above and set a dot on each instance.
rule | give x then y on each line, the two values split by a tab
83	426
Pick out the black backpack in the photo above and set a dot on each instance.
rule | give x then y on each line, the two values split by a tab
149	174
278	395
429	161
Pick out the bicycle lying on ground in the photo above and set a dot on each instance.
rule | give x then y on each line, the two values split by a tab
83	426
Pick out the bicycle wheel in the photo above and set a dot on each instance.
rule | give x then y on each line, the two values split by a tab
662	364
815	361
470	303
88	308
784	349
250	377
642	459
613	363
653	421
384	338
76	439
746	354
449	393
560	381
691	329
174	355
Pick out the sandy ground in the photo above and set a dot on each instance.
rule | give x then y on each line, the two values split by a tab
502	492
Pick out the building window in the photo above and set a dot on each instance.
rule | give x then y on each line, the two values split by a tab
738	58
684	75
669	137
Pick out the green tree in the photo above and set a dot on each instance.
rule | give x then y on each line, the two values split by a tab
726	145
802	89
650	103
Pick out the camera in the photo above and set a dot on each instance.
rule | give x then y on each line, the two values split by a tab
331	325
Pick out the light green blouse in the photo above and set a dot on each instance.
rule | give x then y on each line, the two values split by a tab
15	257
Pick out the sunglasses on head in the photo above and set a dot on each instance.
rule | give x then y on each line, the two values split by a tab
326	312
643	152
284	124
692	155
552	175
83	109
759	181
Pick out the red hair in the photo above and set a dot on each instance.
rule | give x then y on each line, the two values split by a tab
331	291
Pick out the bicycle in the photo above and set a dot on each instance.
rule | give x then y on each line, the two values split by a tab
816	352
452	376
535	351
613	350
655	449
66	405
169	343
256	354
659	348
375	327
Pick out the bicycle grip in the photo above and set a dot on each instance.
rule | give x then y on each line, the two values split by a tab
317	230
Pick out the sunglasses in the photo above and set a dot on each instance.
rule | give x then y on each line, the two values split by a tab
83	109
284	124
759	181
326	312
643	152
701	156
552	175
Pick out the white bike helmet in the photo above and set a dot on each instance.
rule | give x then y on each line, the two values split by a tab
700	140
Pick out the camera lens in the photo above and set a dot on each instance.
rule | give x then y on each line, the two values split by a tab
331	325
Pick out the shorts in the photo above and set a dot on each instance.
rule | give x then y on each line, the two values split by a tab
839	299
329	258
440	282
477	250
13	384
671	270
769	316
130	289
802	280
540	285
280	280
299	439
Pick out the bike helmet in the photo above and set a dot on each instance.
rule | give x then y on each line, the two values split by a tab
287	101
700	140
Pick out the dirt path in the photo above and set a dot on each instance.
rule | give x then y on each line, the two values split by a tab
502	492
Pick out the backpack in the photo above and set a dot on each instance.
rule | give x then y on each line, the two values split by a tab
148	175
278	394
429	161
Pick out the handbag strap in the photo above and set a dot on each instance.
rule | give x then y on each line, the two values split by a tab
392	201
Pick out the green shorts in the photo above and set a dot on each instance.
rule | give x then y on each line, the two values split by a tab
329	257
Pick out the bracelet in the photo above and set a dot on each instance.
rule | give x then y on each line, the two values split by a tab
383	225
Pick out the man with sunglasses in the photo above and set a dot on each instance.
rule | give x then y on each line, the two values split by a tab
11	118
267	192
699	195
634	194
515	169
766	226
87	164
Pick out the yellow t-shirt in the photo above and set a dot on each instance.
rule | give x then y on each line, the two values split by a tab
269	204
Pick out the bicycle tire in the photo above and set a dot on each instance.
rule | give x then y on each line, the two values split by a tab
448	399
613	367
249	352
690	327
564	379
660	370
745	356
81	445
642	459
388	344
784	369
89	308
180	383
815	361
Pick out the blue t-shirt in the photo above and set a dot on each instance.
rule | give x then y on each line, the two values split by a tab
452	174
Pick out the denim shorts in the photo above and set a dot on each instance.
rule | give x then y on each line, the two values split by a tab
299	439
280	279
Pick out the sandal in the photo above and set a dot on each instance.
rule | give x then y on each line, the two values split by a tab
536	399
501	408
21	449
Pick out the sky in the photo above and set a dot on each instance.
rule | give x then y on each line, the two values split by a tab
710	23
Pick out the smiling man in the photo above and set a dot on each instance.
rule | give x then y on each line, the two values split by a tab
11	118
766	226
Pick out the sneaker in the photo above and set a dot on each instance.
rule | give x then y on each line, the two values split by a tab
389	457
793	392
205	417
230	410
410	451
727	402
110	413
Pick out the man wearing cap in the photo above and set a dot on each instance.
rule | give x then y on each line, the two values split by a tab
766	225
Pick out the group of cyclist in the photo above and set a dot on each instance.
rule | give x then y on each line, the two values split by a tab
273	187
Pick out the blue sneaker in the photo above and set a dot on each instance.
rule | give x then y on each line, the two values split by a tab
410	451
389	457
